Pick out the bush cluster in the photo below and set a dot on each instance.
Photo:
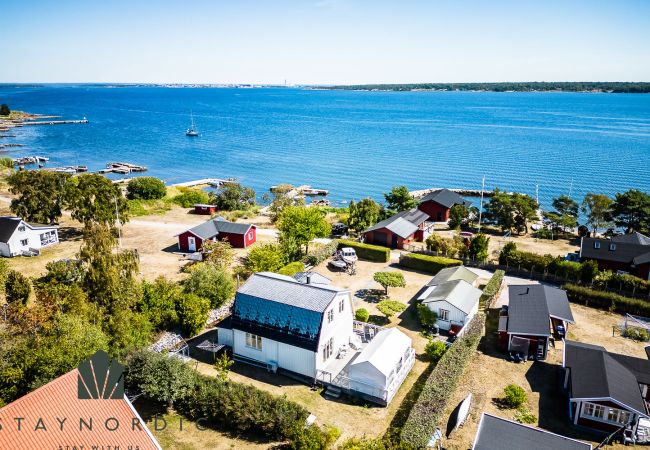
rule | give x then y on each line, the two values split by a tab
426	263
513	396
607	300
319	253
292	268
190	197
428	410
622	281
638	334
367	251
435	350
556	265
362	315
492	288
145	188
390	307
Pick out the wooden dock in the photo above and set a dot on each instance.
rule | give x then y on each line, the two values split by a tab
54	122
213	182
122	168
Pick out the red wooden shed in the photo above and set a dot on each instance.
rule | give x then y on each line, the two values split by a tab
201	208
239	235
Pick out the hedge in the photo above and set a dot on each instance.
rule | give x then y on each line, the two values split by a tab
292	268
367	251
492	288
428	411
623	282
425	263
607	300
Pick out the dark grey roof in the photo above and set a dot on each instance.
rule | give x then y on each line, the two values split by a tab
445	197
283	289
530	308
638	366
624	251
495	433
632	238
403	224
594	373
212	228
8	226
314	278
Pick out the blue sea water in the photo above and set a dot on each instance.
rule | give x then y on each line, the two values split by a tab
355	144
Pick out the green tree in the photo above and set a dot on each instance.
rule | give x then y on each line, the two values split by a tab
596	208
265	258
510	211
508	253
363	214
160	377
145	188
17	288
94	198
219	253
40	195
302	224
427	317
232	197
282	199
209	281
192	312
400	199
189	197
458	216
4	110
159	301
222	366
478	247
631	211
435	350
565	205
362	314
389	279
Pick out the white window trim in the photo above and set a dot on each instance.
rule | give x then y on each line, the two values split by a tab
253	341
441	315
606	409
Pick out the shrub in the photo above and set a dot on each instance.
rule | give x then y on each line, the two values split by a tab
427	317
190	197
622	282
312	438
209	281
638	334
367	251
192	312
320	252
429	408
6	163
389	279
435	350
607	300
390	307
428	264
292	268
492	288
17	287
524	415
265	258
514	396
145	188
362	314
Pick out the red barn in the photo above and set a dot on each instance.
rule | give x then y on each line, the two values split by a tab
239	235
398	230
201	208
438	203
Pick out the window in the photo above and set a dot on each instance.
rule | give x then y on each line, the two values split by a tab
250	235
616	415
592	410
24	241
444	314
596	244
327	350
612	247
341	305
21	228
253	341
330	315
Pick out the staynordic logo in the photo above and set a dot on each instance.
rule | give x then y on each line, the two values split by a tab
100	378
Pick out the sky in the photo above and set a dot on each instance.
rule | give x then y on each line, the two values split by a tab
323	41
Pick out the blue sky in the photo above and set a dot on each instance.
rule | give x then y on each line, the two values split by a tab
323	41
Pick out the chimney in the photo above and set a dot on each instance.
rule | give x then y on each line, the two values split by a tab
308	277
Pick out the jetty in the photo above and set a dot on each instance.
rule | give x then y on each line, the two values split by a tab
11	145
462	192
68	169
122	168
213	182
53	122
300	190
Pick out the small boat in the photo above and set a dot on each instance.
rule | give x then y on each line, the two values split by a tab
312	192
348	255
192	131
463	411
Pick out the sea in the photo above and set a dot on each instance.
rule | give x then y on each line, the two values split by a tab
353	143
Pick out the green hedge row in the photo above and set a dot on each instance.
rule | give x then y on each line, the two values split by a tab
607	300
292	268
555	265
367	251
623	282
492	288
426	263
430	406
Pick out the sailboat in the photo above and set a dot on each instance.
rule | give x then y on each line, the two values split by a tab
192	131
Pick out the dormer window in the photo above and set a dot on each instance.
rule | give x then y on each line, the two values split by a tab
21	228
612	247
596	244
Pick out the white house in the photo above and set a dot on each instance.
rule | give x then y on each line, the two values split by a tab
279	323
18	237
380	368
455	302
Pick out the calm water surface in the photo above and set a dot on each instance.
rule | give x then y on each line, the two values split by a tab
353	143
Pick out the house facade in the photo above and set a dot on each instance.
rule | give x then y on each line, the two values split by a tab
239	235
628	253
437	204
399	230
18	237
281	324
535	314
455	303
607	391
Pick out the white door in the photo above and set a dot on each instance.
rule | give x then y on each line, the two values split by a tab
191	244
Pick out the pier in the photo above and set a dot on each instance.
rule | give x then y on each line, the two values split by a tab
213	182
122	168
54	122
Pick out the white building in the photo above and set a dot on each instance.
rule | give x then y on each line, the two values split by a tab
455	302
18	237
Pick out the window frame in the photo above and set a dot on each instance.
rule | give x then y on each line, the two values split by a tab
24	242
443	314
330	316
342	305
328	349
253	341
596	245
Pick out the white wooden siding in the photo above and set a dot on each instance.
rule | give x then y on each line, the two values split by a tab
456	316
14	247
340	329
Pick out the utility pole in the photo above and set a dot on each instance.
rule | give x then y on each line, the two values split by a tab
119	225
480	210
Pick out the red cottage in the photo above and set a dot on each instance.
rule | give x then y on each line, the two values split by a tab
628	253
438	203
207	210
239	235
402	228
